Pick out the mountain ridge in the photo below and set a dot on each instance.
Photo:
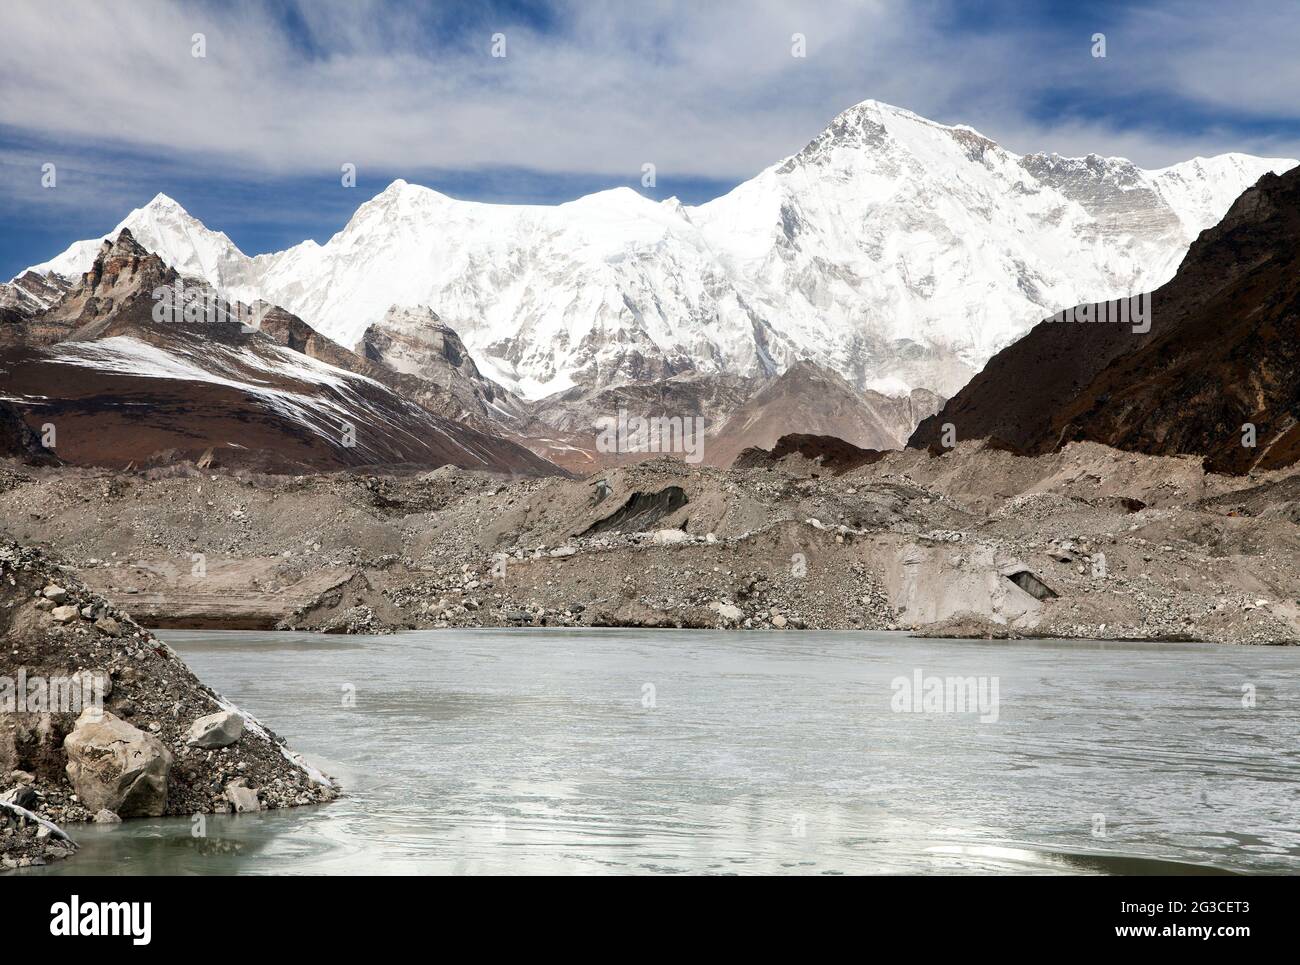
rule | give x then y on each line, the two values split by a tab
128	379
894	250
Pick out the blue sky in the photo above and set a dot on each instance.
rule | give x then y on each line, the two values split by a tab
250	138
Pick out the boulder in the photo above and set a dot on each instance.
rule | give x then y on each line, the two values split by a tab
55	593
726	611
242	797
117	767
63	614
216	730
23	795
108	626
105	816
667	537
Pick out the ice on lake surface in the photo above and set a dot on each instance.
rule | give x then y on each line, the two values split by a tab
630	751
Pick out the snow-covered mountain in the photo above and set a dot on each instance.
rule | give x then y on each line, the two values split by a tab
894	250
126	384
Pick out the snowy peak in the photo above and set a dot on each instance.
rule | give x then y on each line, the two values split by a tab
868	119
164	204
401	192
876	132
165	228
1201	190
892	250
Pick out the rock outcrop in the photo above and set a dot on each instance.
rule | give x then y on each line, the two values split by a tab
414	341
819	453
27	839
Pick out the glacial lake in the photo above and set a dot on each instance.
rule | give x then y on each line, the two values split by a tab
629	751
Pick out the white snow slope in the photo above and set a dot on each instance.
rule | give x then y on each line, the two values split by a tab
891	249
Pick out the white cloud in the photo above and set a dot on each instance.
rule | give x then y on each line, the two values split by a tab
699	88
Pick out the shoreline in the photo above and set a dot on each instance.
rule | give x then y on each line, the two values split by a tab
710	631
1088	543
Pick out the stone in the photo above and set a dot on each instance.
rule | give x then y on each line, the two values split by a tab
779	621
242	797
105	816
666	537
63	614
23	796
108	626
726	611
115	766
55	593
216	730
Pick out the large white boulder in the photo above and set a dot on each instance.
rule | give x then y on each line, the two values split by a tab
116	766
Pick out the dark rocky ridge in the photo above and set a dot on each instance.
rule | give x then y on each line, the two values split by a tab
18	439
1223	351
825	453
